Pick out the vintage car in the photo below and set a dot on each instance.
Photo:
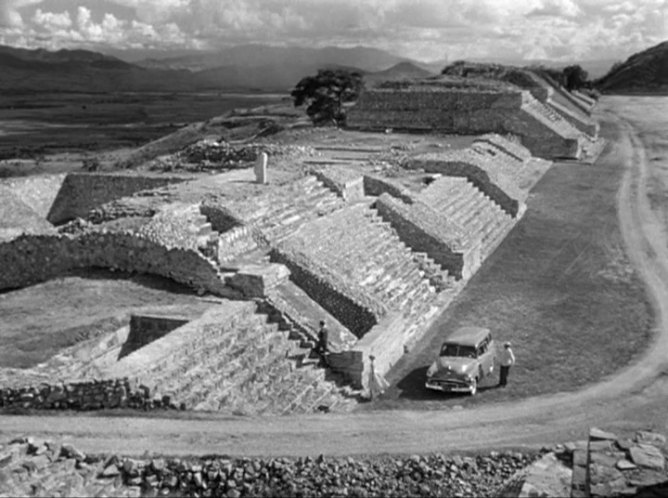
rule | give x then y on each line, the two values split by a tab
466	357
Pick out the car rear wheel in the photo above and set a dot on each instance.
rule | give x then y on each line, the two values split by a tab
474	386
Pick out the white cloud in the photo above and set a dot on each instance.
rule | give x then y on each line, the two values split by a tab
556	8
425	29
10	16
52	20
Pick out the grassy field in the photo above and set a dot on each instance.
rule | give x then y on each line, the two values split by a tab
560	288
37	125
40	320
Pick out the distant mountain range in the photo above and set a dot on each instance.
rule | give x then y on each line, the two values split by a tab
243	68
644	72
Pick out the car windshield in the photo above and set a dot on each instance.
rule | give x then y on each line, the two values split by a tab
458	350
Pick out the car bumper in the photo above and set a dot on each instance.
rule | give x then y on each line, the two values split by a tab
450	387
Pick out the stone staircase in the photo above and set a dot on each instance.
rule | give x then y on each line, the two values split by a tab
271	218
459	201
239	240
256	366
279	214
360	247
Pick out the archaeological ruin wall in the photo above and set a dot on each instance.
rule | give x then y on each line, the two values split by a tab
81	192
30	259
429	109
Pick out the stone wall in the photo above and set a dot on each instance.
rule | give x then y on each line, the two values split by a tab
465	112
429	109
423	230
81	192
356	310
88	395
31	259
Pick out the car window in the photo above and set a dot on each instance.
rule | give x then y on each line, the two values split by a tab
467	352
449	350
482	349
457	350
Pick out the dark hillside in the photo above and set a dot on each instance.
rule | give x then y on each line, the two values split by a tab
644	72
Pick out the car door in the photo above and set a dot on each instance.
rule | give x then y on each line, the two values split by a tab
482	354
486	356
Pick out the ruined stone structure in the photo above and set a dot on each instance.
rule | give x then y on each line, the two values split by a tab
548	126
376	246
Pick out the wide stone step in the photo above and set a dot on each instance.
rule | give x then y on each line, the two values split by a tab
246	383
473	210
232	348
442	189
468	197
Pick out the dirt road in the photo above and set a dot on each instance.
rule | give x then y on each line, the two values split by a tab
634	397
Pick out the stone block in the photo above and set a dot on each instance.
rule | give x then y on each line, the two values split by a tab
257	280
599	474
596	434
648	437
580	458
601	445
648	456
624	464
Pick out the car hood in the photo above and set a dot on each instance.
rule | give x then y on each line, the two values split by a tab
460	366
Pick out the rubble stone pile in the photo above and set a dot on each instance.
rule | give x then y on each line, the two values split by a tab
85	395
616	466
47	467
210	155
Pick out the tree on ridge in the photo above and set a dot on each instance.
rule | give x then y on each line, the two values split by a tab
325	93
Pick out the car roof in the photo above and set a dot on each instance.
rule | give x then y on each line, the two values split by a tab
468	336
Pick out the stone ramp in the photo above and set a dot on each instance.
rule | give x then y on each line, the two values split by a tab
579	120
545	132
459	201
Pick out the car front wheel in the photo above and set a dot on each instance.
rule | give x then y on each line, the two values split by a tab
474	386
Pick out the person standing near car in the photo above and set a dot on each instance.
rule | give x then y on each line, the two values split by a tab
507	360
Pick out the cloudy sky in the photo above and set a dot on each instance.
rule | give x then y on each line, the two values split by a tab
559	30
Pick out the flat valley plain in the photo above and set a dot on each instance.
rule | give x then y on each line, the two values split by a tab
54	132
